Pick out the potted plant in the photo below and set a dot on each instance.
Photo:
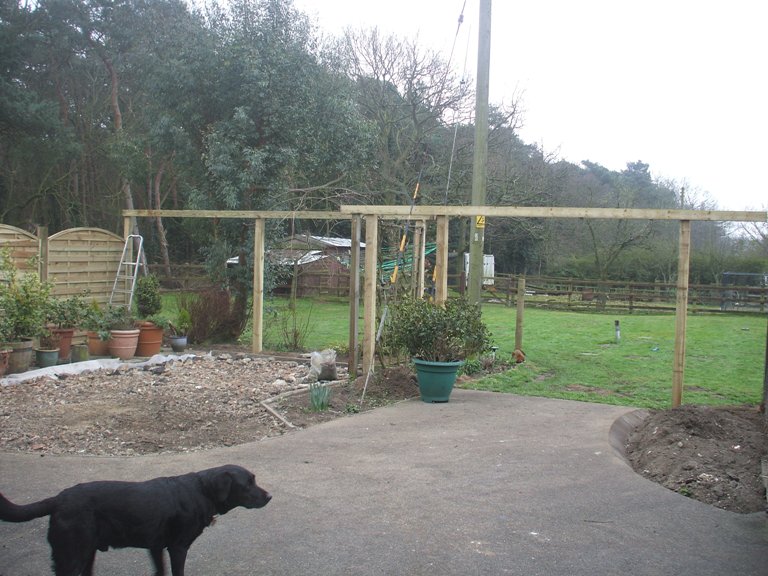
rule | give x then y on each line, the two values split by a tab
65	315
24	300
123	334
47	351
180	329
149	303
97	325
439	338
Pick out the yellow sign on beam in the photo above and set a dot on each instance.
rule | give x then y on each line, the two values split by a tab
479	221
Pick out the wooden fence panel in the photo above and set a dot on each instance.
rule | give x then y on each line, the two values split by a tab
82	259
78	259
23	245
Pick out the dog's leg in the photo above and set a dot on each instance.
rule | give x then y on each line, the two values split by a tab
178	556
88	571
158	561
72	548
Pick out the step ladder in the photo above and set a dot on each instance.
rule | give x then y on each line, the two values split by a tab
128	269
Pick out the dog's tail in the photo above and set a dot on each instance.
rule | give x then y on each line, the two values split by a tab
11	512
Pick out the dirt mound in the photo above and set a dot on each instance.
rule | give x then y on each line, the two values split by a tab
711	454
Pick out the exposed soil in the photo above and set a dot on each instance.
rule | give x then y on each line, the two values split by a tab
231	397
218	399
709	454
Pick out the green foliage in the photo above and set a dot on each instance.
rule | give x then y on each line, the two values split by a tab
183	322
319	396
160	321
454	331
95	320
69	312
148	300
119	318
24	301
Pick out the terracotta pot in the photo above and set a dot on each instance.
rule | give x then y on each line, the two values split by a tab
97	346
122	343
150	339
65	341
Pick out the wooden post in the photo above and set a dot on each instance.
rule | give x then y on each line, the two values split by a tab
42	251
520	312
258	286
681	311
354	294
419	247
369	292
441	260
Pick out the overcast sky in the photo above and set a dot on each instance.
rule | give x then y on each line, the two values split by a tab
678	84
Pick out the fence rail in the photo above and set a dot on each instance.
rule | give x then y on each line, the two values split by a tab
589	294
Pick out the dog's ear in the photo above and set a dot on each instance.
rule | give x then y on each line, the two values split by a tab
220	485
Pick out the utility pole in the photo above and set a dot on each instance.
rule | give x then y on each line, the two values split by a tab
480	164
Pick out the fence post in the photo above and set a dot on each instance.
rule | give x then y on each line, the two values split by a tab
441	260
354	294
681	311
369	292
258	285
42	251
520	312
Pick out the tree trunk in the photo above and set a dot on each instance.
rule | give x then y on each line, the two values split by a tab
125	185
159	221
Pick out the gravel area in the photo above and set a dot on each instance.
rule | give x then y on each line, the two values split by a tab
178	406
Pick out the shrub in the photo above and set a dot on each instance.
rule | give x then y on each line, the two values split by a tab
148	300
447	333
24	301
215	316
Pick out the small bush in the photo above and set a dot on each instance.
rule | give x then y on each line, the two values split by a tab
148	300
215	316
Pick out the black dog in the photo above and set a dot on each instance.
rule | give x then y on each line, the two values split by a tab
161	513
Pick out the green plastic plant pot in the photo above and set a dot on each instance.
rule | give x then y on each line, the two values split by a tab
436	379
46	358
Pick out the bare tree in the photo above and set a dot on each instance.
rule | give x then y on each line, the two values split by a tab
407	94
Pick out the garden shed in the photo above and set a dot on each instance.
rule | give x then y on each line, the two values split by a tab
314	272
341	248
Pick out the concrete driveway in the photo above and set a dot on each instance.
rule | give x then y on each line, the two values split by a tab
485	484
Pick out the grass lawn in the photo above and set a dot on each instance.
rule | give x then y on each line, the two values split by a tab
575	355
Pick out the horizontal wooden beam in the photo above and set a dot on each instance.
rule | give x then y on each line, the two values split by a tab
249	214
558	212
431	212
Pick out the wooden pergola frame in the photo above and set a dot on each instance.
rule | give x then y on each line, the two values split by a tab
370	216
